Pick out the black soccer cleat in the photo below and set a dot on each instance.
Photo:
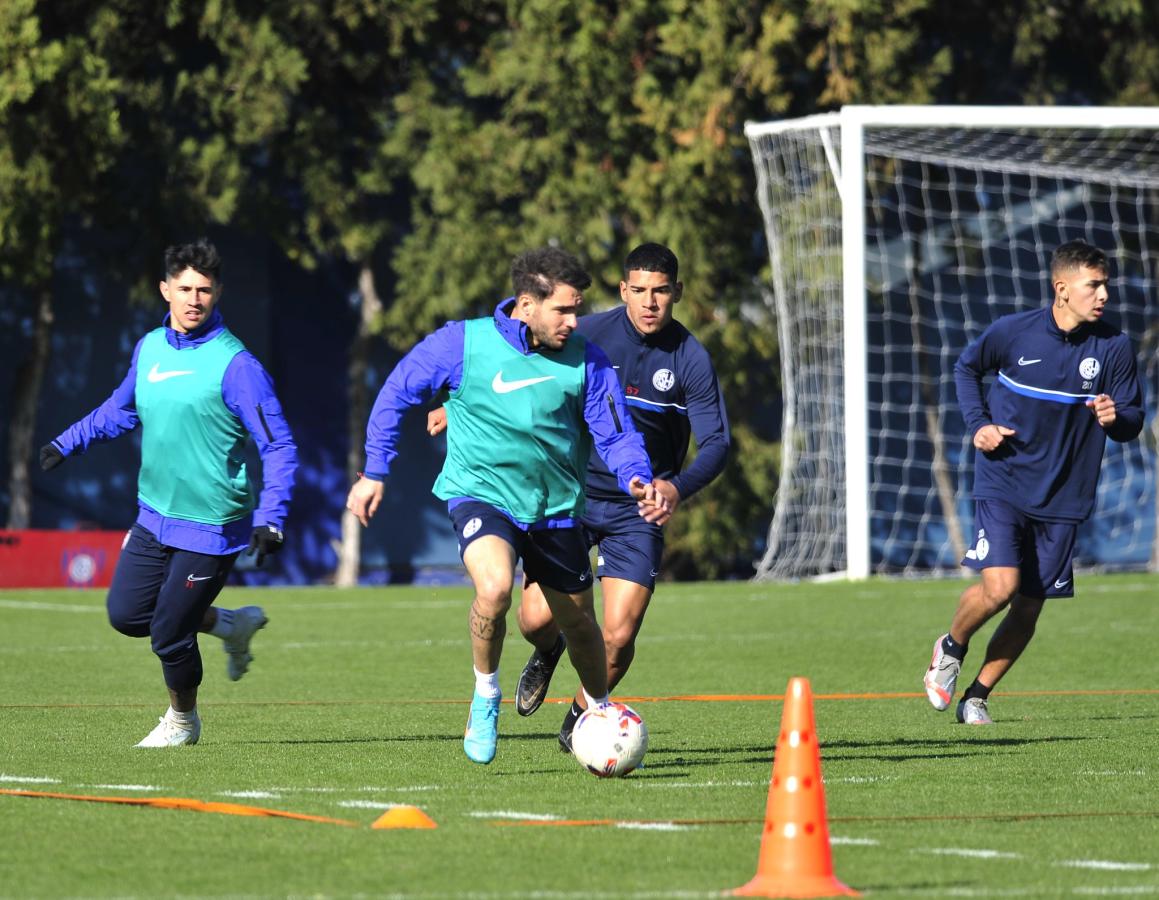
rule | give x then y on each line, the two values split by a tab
565	732
535	677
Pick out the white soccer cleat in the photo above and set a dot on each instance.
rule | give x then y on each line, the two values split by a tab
974	712
246	622
171	734
941	677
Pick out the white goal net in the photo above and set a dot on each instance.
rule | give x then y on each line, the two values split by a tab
896	235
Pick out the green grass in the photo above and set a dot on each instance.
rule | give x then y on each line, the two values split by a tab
357	701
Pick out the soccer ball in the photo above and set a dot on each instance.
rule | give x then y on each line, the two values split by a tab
609	740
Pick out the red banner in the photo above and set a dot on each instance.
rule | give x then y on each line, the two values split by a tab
34	559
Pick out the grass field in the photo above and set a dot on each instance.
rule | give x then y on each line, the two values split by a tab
357	700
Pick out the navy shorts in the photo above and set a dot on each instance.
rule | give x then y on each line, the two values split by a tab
627	546
556	557
1043	552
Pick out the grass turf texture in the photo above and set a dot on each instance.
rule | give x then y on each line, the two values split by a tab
357	700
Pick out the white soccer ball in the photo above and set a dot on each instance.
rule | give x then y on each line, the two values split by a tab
610	739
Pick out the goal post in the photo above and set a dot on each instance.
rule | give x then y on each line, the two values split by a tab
896	234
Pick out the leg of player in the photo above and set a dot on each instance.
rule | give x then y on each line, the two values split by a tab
538	627
1006	645
575	614
977	605
625	603
490	561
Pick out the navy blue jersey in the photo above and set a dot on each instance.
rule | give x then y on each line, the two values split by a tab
1049	468
672	392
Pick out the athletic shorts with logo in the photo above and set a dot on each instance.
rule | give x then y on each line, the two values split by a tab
627	547
556	557
1043	552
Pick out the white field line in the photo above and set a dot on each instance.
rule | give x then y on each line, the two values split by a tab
1105	865
1125	891
971	854
654	826
853	842
250	795
701	784
383	642
511	814
29	779
51	607
41	649
146	788
369	804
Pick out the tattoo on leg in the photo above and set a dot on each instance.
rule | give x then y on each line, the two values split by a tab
487	628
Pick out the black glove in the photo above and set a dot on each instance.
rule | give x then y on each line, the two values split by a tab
50	457
265	541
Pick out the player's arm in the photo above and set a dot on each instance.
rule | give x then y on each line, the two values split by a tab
615	437
116	416
248	392
979	358
434	363
1120	410
709	421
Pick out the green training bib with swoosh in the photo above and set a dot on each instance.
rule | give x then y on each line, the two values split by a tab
192	446
516	436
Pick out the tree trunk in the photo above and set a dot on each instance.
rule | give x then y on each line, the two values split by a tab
358	399
22	425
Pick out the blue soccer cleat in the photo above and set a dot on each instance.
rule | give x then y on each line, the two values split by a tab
482	735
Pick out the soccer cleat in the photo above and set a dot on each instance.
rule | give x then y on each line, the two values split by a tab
535	678
246	621
170	734
941	677
972	711
568	727
482	735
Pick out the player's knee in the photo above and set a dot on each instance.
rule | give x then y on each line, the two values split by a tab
620	639
1027	609
998	592
492	596
127	623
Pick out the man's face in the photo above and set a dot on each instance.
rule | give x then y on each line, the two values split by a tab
1082	293
191	297
550	323
650	297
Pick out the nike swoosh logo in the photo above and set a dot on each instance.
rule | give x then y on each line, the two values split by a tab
1022	361
499	386
155	375
1061	584
202	578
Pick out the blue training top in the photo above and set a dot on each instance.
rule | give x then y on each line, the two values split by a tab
672	391
1049	468
248	393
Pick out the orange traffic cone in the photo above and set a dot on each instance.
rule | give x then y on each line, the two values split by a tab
795	857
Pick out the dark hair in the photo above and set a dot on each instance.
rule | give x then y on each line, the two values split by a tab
653	258
539	272
1074	255
201	256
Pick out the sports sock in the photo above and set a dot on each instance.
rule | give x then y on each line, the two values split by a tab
950	647
592	701
556	650
977	689
487	684
573	714
223	627
183	719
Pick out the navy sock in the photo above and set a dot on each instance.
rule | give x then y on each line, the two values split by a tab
950	647
977	689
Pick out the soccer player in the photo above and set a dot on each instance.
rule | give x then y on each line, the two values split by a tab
672	391
197	395
528	397
1066	382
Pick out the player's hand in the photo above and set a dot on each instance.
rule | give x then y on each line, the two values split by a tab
659	515
1104	409
364	498
266	540
50	457
648	499
991	437
436	421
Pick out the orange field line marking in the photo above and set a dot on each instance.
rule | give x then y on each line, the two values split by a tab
993	817
672	698
226	809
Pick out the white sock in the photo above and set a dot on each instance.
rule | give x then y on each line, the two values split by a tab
593	702
223	627
184	719
487	684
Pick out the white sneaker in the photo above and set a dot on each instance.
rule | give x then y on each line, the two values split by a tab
974	712
941	677
246	622
170	734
